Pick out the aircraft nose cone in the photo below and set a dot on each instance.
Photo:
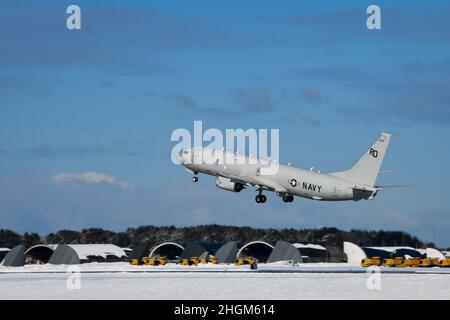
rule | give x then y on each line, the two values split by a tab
184	157
179	158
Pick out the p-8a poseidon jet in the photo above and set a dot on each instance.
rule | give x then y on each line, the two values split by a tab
356	183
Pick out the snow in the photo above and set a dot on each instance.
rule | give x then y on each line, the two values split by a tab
270	281
51	246
309	245
100	250
392	249
275	267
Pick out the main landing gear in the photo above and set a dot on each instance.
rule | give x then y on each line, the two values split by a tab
260	198
288	198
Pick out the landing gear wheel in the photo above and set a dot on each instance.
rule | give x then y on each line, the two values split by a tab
260	198
288	198
194	179
291	198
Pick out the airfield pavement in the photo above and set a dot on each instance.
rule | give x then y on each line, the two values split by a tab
270	281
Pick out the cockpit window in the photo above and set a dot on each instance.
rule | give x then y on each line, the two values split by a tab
183	152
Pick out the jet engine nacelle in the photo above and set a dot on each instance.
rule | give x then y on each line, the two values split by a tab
227	184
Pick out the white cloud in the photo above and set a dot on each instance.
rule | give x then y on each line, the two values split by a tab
401	218
91	178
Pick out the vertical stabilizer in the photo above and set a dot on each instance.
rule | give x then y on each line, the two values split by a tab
366	170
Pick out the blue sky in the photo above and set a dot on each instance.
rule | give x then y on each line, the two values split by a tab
106	98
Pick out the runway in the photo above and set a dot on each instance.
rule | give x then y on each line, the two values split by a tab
319	281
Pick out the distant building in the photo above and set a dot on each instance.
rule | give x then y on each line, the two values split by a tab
193	249
227	252
169	250
15	257
284	251
260	250
312	252
39	254
83	253
355	254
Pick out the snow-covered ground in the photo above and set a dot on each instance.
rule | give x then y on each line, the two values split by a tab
271	281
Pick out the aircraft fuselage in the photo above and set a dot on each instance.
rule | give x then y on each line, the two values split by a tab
288	180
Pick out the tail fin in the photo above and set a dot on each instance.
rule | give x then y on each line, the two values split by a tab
366	170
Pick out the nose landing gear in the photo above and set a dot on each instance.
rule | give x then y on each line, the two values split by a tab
195	178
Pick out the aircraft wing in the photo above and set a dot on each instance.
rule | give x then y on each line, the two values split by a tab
257	182
271	185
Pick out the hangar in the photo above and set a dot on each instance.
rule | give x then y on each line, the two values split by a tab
194	249
140	251
284	251
227	253
259	250
169	250
64	254
299	252
355	254
39	253
15	257
265	252
3	252
230	251
82	253
312	252
435	253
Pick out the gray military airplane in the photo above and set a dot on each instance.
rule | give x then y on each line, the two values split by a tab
356	183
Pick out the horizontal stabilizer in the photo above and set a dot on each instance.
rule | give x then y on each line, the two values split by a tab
388	170
398	186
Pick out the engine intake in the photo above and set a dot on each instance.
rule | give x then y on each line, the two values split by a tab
227	184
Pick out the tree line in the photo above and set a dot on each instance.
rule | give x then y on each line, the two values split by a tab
214	233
